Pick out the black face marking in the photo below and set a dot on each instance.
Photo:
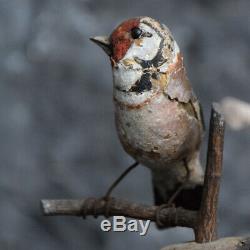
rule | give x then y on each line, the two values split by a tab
157	61
136	32
146	64
144	84
147	34
151	26
155	76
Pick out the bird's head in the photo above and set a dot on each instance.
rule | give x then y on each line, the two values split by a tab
140	38
140	50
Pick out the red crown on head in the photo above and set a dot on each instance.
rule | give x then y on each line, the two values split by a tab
121	39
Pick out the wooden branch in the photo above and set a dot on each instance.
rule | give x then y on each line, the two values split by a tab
230	243
170	217
207	217
203	222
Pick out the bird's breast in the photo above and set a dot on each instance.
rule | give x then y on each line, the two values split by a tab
158	132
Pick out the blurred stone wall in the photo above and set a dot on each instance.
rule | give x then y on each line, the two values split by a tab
56	114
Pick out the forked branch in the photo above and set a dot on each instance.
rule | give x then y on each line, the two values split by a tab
203	221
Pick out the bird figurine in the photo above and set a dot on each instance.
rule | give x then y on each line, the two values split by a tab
157	115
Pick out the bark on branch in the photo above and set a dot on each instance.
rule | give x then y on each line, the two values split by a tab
203	221
207	218
170	217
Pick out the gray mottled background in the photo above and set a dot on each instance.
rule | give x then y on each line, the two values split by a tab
57	135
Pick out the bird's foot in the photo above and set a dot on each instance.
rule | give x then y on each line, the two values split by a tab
93	204
158	220
108	200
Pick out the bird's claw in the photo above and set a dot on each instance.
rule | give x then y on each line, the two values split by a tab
95	203
158	221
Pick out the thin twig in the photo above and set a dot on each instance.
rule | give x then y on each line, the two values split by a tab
170	217
207	218
111	188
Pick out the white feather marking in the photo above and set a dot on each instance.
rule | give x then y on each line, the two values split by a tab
124	77
132	98
148	47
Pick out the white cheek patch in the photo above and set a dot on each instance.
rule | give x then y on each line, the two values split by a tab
148	47
124	78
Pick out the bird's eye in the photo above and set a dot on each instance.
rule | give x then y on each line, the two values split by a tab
136	32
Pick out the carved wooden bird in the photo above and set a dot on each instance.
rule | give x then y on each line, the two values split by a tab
158	117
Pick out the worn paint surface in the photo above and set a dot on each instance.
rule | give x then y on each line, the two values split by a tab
160	128
121	39
156	112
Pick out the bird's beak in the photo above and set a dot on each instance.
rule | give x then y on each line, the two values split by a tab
104	43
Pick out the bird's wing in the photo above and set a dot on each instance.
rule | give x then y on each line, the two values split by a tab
199	113
178	88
